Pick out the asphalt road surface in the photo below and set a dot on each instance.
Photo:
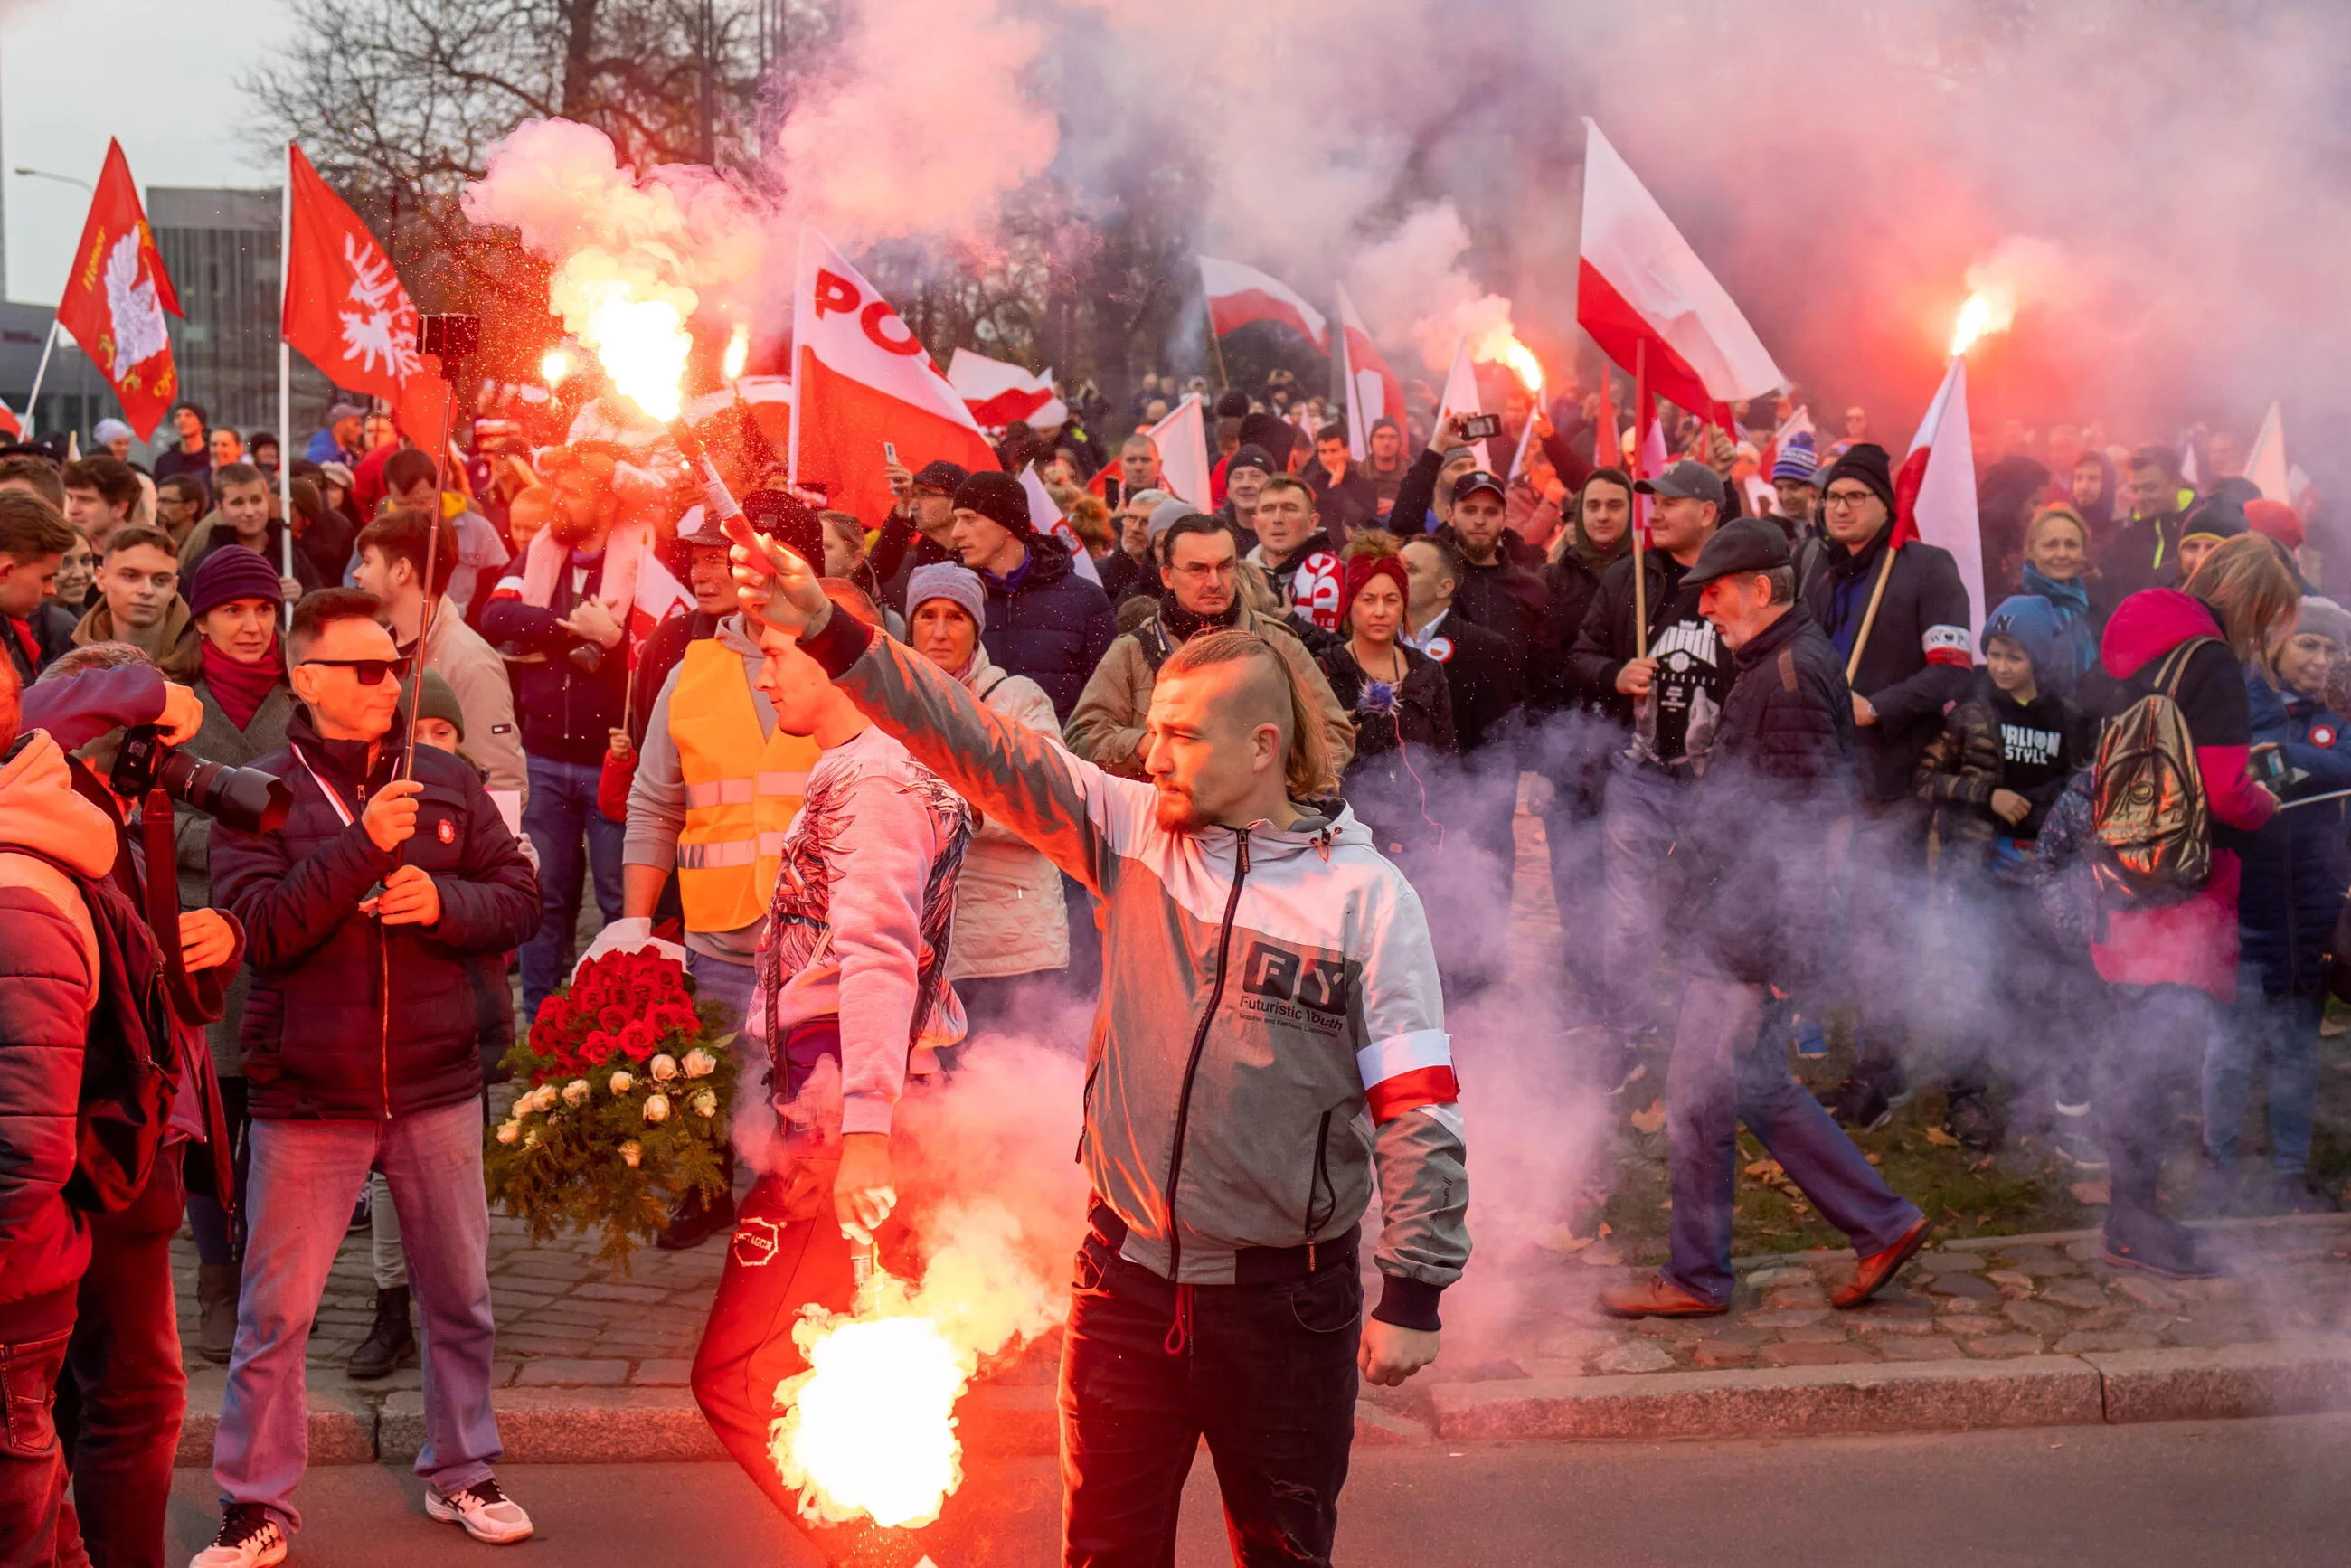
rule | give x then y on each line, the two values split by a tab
2246	1494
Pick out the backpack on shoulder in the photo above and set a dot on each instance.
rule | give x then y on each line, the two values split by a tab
129	1073
2148	808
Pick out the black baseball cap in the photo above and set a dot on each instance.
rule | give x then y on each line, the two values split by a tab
940	477
1686	480
1478	479
1742	545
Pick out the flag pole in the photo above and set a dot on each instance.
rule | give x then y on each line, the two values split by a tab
1640	510
1216	347
799	367
32	419
285	379
1869	616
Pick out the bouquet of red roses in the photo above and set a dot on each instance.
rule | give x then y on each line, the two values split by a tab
629	1086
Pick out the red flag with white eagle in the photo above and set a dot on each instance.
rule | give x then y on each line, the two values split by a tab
1239	295
1374	393
116	296
1935	500
862	380
1645	296
345	308
998	393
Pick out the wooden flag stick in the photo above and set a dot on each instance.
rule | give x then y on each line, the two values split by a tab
1869	616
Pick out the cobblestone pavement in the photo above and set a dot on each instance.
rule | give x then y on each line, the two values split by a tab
563	1319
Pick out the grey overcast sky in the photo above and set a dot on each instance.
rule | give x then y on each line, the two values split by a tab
159	75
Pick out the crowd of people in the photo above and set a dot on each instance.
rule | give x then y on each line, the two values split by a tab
899	783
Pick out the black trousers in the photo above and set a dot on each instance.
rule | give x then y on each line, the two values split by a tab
125	1389
1267	1376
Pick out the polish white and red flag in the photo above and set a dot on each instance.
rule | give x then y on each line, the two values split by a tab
1045	514
1935	500
998	393
1182	440
1651	304
862	380
1374	393
1239	295
2266	465
657	595
1461	398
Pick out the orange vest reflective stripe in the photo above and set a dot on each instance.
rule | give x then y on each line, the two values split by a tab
742	791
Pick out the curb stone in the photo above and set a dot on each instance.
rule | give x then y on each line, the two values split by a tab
662	1425
1894	1397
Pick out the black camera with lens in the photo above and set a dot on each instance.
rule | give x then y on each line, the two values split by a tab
245	798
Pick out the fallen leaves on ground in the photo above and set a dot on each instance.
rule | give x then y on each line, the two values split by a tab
1941	1139
2093	1194
1652	1120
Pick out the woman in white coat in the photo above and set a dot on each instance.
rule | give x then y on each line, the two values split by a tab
1011	942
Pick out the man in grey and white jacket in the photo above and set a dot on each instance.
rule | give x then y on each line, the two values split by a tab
1269	1040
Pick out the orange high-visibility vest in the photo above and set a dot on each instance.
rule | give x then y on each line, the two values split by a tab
742	791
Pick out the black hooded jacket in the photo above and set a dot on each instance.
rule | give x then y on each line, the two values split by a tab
1048	624
1760	824
347	1019
1919	657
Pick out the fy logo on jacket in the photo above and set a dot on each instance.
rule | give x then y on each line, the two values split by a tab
1277	983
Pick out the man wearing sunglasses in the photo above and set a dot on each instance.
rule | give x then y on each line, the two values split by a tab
359	1034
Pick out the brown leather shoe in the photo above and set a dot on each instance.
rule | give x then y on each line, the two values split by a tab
1656	1297
1878	1268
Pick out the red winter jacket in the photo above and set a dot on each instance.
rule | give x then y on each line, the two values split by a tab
2193	941
48	983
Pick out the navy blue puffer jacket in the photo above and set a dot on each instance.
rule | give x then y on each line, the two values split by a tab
347	1019
1051	625
2296	867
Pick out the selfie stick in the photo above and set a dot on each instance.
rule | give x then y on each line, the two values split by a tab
454	336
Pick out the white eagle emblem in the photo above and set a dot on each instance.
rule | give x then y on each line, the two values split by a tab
380	321
137	315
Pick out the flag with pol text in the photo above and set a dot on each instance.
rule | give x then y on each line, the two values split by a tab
116	296
863	384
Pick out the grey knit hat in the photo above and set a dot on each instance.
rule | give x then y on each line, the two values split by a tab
2328	619
945	579
1164	516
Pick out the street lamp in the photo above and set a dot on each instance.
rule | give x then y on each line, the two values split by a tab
65	179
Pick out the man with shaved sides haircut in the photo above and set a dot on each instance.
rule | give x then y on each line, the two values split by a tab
1269	1042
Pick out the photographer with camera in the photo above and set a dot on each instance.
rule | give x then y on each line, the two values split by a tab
118	1411
572	684
360	1036
83	999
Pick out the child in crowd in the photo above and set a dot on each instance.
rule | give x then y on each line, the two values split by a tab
2003	758
2295	870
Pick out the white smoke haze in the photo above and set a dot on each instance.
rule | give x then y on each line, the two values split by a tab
918	125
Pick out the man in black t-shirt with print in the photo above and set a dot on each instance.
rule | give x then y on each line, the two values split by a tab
1666	681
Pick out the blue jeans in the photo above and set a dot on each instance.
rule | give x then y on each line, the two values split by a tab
306	1176
1639	818
2158	1038
2284	1031
1726	1070
562	808
728	985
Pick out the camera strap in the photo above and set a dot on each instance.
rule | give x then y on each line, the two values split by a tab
197	998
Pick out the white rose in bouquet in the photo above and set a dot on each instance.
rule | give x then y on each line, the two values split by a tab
665	1068
656	1108
575	1093
705	1103
700	1063
632	1154
621	1083
509	1131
